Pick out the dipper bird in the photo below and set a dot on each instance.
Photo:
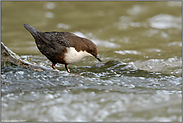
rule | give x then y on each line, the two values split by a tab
63	47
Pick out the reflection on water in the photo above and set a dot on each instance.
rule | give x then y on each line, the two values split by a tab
140	78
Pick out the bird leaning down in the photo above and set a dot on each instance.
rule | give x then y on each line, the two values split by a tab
63	47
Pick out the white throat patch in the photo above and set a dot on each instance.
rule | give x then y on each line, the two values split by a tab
72	56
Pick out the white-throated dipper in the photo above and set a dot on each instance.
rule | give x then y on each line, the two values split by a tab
63	47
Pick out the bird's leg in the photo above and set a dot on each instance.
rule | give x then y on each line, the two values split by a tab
66	67
53	66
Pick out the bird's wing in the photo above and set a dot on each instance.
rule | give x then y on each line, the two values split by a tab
54	39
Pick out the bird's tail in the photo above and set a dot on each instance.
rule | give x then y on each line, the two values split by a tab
32	30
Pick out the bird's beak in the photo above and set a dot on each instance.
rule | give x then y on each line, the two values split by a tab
98	58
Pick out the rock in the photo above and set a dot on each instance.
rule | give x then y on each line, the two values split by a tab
9	58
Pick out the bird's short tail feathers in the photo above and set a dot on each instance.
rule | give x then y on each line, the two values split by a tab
32	30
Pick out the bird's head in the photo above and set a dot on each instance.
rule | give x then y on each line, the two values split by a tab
92	49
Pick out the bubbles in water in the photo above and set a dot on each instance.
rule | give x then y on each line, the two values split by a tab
135	10
151	32
123	22
159	64
164	35
154	50
165	21
49	96
175	43
64	26
174	3
128	52
20	72
49	5
49	15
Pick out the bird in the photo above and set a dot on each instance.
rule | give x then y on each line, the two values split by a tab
63	47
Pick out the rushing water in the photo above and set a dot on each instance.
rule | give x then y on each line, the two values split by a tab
140	78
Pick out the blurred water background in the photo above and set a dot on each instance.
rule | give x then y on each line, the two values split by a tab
140	78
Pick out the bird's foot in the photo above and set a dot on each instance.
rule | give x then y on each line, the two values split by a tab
53	66
66	67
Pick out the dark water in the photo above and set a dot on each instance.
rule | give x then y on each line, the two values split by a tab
140	78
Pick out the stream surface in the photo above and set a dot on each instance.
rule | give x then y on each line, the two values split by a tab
140	78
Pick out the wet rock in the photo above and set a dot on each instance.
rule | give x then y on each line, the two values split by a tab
9	58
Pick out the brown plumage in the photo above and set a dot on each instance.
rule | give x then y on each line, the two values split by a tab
62	47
